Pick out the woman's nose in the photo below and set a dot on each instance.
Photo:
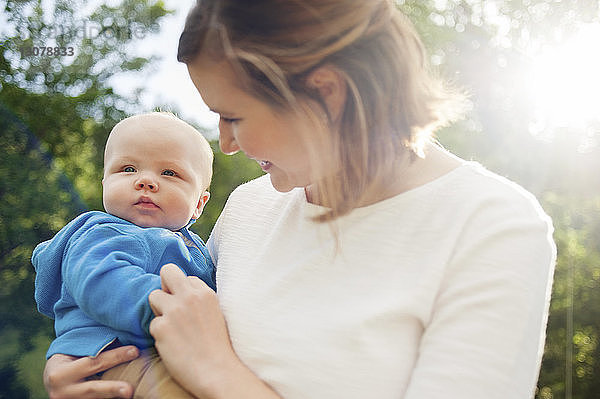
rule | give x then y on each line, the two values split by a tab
227	142
146	182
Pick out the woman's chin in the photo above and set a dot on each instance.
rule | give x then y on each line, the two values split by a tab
281	183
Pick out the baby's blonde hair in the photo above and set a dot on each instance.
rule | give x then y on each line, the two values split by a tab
204	160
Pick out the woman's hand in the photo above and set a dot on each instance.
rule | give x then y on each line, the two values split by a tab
65	376
190	331
193	342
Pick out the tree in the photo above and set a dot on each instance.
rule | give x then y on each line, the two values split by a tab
572	346
55	114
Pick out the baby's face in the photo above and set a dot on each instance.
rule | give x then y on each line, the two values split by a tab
151	173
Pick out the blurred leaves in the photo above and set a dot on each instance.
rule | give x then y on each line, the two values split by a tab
55	115
576	296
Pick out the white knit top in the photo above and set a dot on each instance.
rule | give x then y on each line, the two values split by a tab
439	292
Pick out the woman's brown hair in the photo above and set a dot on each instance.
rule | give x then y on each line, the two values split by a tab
392	104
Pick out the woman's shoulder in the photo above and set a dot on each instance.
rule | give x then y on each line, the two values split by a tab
466	189
441	182
477	186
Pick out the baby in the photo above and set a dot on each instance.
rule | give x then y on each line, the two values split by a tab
93	278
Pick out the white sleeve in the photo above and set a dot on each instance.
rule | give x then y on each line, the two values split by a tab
486	334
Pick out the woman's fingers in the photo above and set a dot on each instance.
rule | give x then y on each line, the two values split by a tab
107	359
189	328
72	368
64	376
157	300
97	389
177	287
172	278
196	282
173	281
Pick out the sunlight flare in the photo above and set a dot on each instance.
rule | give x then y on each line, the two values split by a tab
565	85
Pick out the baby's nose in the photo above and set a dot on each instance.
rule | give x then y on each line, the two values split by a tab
146	183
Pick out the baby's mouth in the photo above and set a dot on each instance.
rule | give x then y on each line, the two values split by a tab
145	202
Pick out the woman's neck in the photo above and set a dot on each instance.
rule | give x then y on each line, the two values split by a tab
405	174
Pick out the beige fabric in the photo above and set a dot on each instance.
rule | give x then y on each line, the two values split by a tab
149	377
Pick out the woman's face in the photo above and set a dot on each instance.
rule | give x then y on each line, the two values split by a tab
280	142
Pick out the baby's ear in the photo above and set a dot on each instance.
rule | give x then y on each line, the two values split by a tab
200	206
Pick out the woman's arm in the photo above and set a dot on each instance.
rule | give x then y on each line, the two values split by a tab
193	342
485	337
65	376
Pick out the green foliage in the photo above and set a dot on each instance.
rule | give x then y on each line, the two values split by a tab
31	366
36	200
572	344
55	115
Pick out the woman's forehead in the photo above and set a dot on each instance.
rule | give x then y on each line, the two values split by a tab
216	82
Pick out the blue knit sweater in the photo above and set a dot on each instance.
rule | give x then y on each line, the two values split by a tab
93	278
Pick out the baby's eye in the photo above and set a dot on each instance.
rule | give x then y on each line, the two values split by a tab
129	169
169	172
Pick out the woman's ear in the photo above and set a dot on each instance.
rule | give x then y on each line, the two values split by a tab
332	87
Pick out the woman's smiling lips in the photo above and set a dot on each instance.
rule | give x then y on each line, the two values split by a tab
265	165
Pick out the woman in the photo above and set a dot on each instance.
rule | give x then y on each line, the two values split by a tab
369	262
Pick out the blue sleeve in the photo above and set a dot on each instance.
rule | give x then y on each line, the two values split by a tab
104	271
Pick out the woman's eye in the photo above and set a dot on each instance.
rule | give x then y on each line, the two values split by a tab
129	169
229	120
169	172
